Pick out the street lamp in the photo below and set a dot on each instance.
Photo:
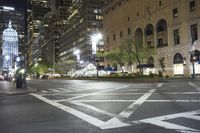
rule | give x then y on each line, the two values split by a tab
77	53
95	38
193	58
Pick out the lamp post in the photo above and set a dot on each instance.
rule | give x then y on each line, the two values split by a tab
193	58
77	53
95	38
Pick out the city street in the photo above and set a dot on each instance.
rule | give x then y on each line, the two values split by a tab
89	106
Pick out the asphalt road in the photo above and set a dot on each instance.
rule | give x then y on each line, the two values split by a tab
81	106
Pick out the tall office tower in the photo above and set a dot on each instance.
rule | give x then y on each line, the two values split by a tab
53	25
36	11
9	48
17	18
84	20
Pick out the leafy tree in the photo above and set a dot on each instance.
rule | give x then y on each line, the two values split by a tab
64	66
136	52
39	68
116	55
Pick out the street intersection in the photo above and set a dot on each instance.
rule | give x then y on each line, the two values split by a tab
173	106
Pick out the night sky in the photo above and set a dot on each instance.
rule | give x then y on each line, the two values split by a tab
19	4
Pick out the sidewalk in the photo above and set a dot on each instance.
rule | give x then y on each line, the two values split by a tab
8	88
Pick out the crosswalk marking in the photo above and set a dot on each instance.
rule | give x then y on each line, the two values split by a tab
148	101
194	85
120	120
161	121
92	120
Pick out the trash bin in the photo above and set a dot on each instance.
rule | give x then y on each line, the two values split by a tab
19	82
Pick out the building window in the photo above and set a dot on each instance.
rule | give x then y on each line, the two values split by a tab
128	19
129	31
176	37
149	44
194	32
114	37
121	34
192	5
137	14
160	3
160	42
175	13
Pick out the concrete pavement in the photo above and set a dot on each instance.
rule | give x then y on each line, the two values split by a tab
8	88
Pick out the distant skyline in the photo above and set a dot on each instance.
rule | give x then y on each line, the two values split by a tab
19	4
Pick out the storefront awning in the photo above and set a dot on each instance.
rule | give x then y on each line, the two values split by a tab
145	66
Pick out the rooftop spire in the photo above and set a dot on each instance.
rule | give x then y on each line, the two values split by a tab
10	24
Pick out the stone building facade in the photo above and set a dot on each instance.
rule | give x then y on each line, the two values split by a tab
171	27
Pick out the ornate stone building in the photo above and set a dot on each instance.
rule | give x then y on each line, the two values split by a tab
9	48
170	27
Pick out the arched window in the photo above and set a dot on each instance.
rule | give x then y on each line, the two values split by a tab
178	59
150	60
139	37
149	29
161	33
149	35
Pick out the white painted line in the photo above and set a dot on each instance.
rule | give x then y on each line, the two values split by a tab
180	93
161	121
194	117
116	122
83	116
44	91
104	101
90	94
194	85
172	116
133	107
159	85
183	101
94	108
171	126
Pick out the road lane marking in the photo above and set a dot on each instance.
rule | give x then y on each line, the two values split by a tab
92	120
194	85
93	108
159	85
161	121
148	101
123	94
116	122
134	106
90	94
171	126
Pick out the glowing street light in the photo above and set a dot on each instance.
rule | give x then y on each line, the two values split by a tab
7	57
36	64
95	38
193	58
77	53
18	59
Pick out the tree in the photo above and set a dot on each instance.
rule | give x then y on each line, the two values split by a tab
136	52
116	55
39	68
64	66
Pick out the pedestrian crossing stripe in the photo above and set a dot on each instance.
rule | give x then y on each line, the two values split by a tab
161	121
